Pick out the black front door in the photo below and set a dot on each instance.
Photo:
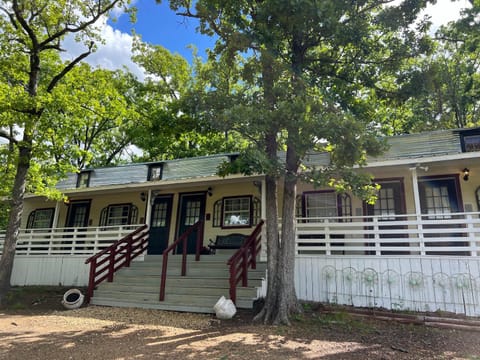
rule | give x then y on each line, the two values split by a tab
390	202
160	225
439	198
78	212
191	210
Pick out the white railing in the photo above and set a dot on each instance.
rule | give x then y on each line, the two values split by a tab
456	234
68	241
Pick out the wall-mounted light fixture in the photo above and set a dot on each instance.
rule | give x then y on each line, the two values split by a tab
209	191
143	196
258	185
466	174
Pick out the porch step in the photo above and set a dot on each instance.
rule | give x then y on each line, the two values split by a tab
206	281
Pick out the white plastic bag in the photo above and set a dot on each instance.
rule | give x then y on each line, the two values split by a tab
225	308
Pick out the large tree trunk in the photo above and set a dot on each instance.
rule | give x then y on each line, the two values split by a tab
267	314
287	299
16	211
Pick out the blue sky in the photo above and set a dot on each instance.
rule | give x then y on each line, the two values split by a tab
157	24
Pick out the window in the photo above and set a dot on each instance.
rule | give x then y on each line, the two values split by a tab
472	143
470	140
217	214
40	219
155	172
83	179
122	214
320	204
237	211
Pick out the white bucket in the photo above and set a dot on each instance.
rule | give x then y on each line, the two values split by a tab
73	299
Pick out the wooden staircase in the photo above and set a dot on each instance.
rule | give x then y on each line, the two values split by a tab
205	282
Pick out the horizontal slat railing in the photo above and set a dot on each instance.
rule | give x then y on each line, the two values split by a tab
456	234
68	241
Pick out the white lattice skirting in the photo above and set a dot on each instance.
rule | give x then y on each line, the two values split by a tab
397	283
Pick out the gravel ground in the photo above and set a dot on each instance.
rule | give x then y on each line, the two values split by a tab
119	333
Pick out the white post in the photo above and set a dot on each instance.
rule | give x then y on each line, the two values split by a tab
56	214
418	210
149	207
471	235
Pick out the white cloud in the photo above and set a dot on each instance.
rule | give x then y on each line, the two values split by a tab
445	11
114	53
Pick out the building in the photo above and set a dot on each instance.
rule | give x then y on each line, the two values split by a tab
416	248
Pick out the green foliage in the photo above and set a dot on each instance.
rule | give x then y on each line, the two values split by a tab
441	90
170	124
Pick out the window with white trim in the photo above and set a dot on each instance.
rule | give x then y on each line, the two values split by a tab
119	214
237	211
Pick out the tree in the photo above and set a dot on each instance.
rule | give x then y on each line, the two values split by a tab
30	70
97	118
170	127
442	90
320	65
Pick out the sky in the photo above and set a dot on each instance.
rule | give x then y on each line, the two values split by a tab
157	24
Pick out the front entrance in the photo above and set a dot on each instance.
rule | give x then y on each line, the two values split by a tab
160	225
439	199
390	202
78	212
191	210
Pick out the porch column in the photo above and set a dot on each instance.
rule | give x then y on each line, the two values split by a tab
56	214
416	195
418	210
149	207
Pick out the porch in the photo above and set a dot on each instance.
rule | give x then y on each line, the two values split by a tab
399	262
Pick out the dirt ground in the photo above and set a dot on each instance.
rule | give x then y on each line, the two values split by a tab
34	325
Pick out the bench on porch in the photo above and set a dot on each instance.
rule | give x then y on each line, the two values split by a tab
227	242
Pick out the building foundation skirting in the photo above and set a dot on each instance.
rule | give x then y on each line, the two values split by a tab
407	283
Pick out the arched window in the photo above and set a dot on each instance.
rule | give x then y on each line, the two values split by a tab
118	214
40	219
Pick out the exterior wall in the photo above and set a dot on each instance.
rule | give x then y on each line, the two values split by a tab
219	191
32	204
398	283
100	200
467	188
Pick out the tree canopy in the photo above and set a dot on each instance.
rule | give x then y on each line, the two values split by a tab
33	104
308	77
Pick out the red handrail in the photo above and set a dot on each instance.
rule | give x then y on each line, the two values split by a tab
116	256
243	258
182	239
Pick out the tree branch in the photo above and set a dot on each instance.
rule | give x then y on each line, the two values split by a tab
69	67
